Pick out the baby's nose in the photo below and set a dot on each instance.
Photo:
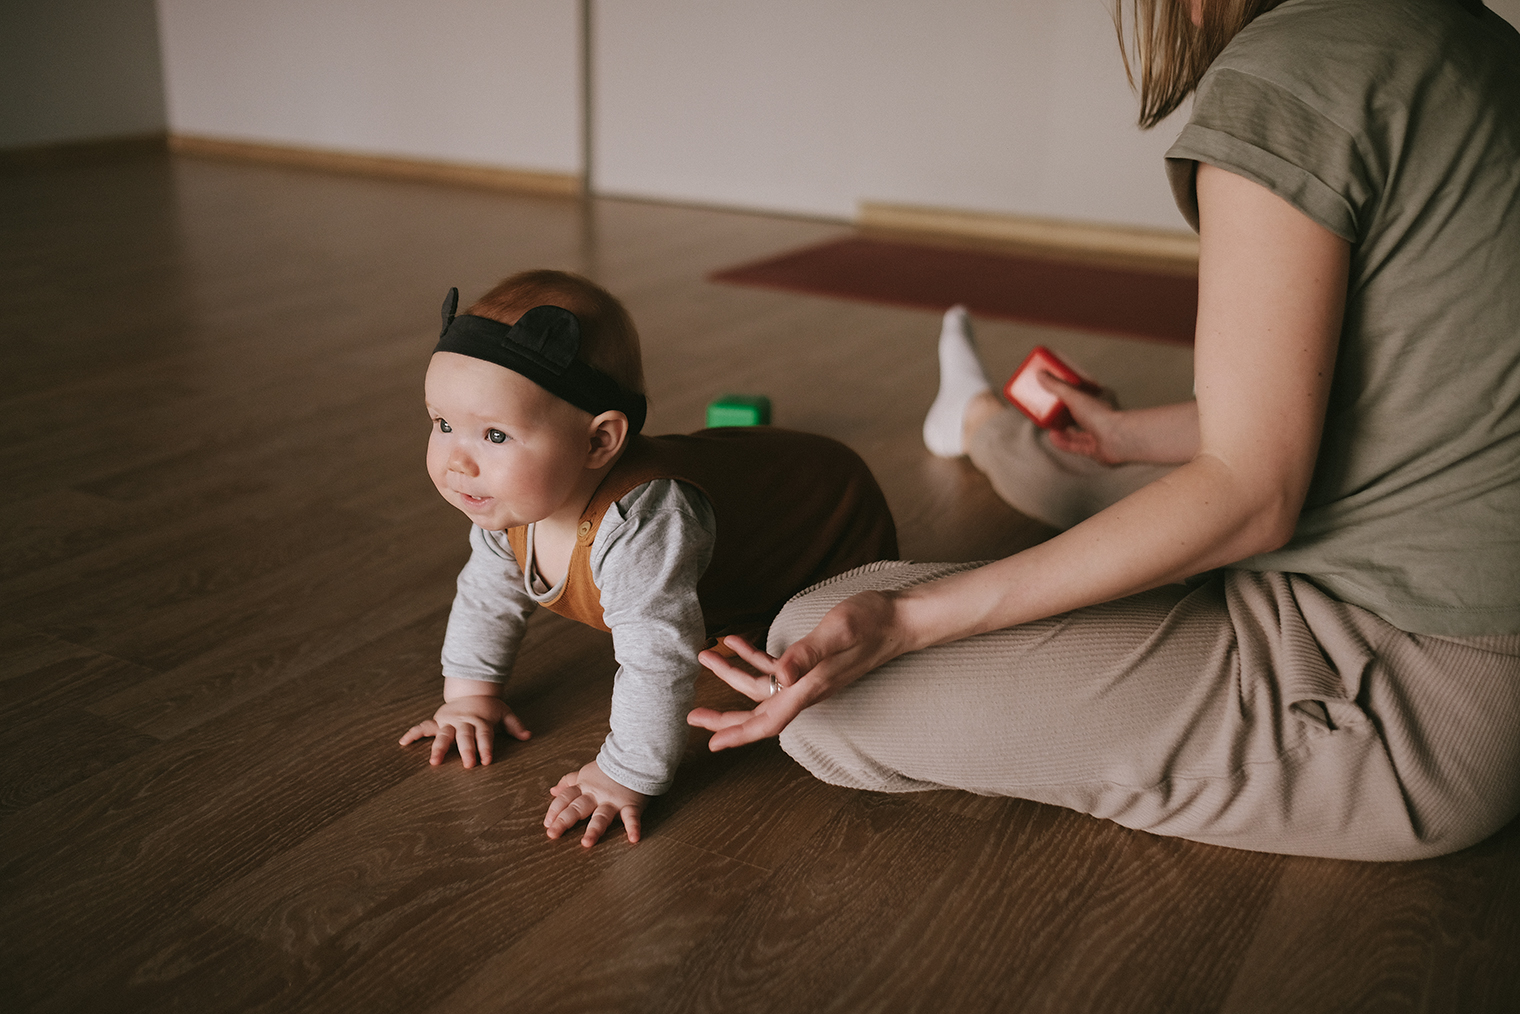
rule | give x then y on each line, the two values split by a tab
461	462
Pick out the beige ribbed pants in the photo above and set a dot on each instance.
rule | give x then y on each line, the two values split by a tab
1248	709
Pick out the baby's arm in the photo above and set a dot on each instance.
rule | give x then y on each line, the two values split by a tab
485	627
651	550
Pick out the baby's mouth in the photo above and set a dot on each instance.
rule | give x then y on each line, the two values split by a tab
473	501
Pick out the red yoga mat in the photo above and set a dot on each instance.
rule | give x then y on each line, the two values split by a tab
1136	304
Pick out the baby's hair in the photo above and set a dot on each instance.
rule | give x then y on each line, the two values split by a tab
609	341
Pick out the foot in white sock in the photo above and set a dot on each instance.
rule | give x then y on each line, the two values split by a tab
960	379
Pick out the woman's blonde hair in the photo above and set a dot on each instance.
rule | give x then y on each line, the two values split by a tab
1170	52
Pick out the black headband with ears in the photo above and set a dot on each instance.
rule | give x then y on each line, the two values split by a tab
542	347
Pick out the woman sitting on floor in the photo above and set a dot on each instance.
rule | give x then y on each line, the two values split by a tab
1284	617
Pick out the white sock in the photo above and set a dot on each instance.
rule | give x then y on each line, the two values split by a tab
960	379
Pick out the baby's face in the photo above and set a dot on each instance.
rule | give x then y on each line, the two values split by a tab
502	449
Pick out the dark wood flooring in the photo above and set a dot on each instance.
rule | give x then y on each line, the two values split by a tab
223	581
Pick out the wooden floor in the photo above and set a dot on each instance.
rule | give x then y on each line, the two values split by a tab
223	582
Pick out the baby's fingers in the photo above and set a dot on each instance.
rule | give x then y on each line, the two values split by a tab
442	740
565	811
422	730
466	744
485	739
601	819
514	726
630	815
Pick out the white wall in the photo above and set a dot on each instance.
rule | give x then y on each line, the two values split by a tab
493	82
74	70
1014	106
803	106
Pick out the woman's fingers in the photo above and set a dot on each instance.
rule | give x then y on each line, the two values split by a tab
741	727
1083	404
756	657
756	688
850	640
1074	440
713	720
1094	415
736	728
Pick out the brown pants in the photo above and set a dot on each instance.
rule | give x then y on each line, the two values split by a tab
1247	709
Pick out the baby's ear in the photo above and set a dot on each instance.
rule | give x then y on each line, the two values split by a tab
609	432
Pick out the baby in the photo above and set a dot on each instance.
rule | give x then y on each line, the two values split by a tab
536	399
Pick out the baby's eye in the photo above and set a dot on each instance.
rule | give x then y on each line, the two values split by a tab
496	436
444	427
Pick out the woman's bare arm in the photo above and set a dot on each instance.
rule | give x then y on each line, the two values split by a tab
1272	287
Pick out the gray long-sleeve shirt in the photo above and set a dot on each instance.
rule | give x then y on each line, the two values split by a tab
653	546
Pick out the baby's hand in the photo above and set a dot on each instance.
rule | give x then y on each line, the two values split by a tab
591	793
469	722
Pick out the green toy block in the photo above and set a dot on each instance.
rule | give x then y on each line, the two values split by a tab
739	410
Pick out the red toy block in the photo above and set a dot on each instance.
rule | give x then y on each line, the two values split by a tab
1044	409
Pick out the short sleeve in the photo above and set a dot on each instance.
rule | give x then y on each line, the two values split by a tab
1262	131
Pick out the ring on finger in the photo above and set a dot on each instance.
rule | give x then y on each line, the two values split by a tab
774	685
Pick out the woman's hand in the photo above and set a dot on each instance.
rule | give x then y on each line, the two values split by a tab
1167	435
854	637
1098	430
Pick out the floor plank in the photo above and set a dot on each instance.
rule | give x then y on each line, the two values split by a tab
619	939
817	928
1433	935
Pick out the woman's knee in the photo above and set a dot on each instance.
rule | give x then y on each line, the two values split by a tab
814	743
823	745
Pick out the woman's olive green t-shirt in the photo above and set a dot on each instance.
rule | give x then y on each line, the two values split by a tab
1395	124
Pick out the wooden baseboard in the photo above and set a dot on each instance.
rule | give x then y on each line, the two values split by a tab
456	173
74	152
1173	251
